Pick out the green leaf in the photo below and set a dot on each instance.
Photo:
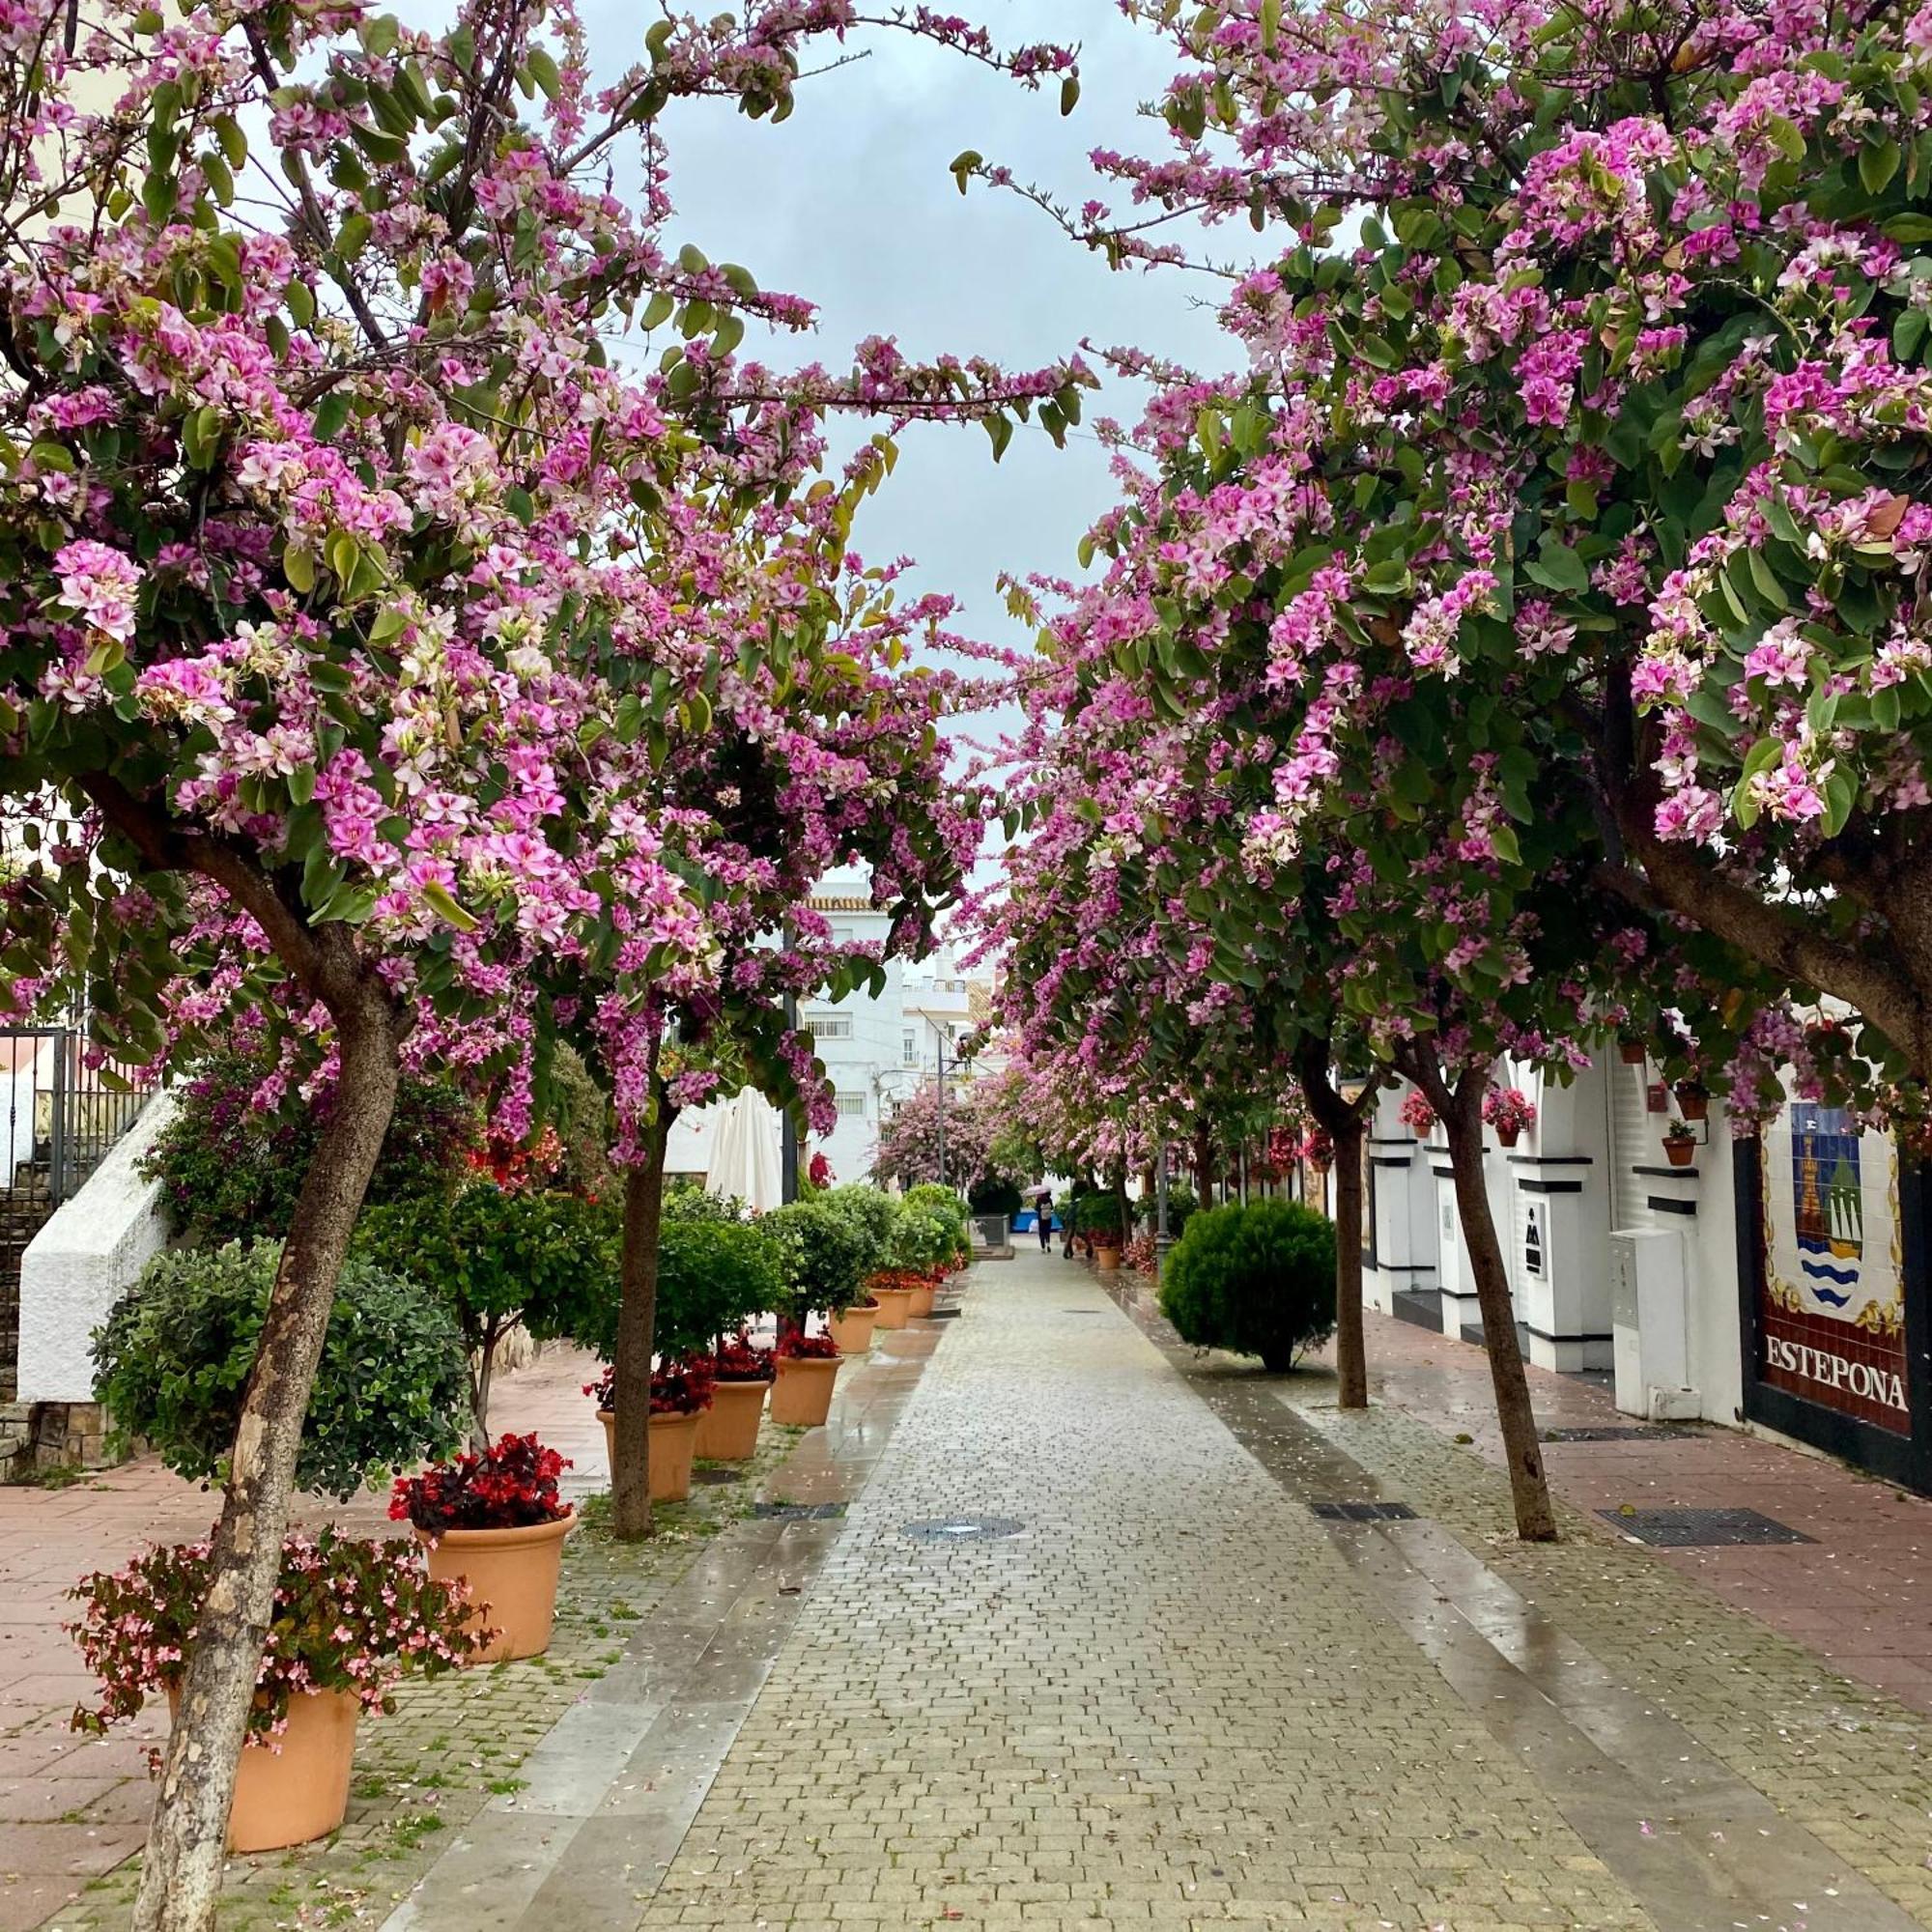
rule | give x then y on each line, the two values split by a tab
1558	567
964	164
298	567
1878	163
440	899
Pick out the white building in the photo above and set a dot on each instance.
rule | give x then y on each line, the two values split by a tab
878	1050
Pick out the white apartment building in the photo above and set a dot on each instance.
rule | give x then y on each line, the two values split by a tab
878	1050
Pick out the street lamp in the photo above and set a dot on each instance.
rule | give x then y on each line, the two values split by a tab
944	1064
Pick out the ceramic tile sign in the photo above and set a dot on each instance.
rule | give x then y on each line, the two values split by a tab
1831	1311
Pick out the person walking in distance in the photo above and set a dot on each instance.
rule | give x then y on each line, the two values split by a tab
1043	1213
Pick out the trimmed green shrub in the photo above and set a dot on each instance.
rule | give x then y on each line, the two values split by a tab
173	1355
929	1196
875	1214
714	1275
230	1171
821	1257
686	1201
545	1259
988	1195
1257	1280
922	1238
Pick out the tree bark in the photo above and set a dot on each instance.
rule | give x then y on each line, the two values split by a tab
1203	1165
1352	1366
1345	1124
181	1874
1461	1109
636	1336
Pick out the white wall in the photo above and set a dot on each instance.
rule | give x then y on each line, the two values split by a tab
76	1268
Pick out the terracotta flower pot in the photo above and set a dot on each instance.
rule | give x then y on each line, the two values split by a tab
1508	1136
728	1432
894	1306
1631	1052
921	1304
802	1395
512	1576
1422	1134
300	1792
1680	1153
853	1330
1109	1259
1692	1102
673	1445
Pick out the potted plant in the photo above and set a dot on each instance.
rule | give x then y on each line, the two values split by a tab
1680	1144
493	1519
823	1257
923	1244
1508	1110
173	1355
873	1216
1631	1051
1694	1099
728	1430
1417	1113
929	1198
1102	1217
807	1366
350	1619
534	1257
681	1391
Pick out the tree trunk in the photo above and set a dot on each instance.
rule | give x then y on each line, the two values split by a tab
1352	1365
480	1376
636	1337
1203	1165
1345	1124
181	1874
1462	1112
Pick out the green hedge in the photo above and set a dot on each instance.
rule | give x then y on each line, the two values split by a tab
1257	1280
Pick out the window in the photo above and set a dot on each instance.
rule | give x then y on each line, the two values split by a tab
828	1026
909	1047
851	1106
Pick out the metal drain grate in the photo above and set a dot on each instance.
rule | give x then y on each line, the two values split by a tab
1689	1528
943	1315
961	1528
799	1512
716	1477
1363	1512
1633	1433
1083	1311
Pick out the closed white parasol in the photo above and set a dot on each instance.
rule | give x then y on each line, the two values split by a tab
745	1151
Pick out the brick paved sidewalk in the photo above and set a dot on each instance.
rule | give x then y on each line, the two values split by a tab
1859	1595
72	1808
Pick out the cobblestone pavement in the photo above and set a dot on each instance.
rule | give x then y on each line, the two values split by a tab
1857	1594
1163	1700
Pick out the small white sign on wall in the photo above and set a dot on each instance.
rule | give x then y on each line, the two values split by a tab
1532	1240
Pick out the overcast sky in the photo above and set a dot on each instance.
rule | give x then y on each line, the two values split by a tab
849	204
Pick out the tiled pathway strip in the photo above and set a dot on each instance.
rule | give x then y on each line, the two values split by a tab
1859	1594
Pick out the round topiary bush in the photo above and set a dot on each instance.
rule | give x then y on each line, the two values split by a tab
821	1257
1258	1281
874	1213
714	1275
174	1355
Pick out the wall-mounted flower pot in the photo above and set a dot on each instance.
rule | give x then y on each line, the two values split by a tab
1631	1052
894	1306
1508	1136
1680	1153
1423	1133
512	1576
853	1330
1692	1102
802	1395
728	1432
299	1790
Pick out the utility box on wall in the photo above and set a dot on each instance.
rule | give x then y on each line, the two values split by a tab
1650	1324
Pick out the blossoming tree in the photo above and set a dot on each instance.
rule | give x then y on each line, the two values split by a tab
1620	319
330	660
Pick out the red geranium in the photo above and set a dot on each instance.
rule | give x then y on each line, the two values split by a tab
797	1347
682	1388
819	1173
511	1485
739	1359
